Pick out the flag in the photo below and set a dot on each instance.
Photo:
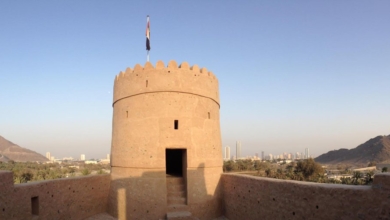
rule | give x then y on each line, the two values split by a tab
147	33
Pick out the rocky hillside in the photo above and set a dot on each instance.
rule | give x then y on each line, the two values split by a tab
11	151
374	150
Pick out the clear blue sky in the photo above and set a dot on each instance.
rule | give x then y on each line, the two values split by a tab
293	74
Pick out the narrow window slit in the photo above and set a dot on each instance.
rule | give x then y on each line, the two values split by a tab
209	114
176	124
35	205
127	114
146	83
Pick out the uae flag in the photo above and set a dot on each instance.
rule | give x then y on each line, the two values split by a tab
147	33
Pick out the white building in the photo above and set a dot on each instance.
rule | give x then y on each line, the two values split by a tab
227	153
307	155
82	157
48	156
238	150
67	158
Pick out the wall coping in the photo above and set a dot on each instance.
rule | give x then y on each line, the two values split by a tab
301	183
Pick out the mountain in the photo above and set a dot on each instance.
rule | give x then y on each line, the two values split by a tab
11	151
374	150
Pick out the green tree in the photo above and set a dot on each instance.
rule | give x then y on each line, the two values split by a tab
101	171
72	171
25	176
85	172
356	176
229	166
384	170
309	169
268	172
43	174
369	178
346	180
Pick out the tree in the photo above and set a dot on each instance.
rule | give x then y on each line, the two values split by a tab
369	177
309	169
229	166
72	171
346	180
43	174
25	177
356	176
268	172
101	171
384	170
85	172
55	174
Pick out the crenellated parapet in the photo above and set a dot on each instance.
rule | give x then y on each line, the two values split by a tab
172	78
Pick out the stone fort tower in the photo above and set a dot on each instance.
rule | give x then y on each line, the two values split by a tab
166	143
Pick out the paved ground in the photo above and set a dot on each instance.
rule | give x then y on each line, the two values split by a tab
105	216
101	216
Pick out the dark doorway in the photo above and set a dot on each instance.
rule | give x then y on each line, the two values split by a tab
175	161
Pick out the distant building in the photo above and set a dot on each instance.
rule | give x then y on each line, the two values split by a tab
48	156
82	157
103	161
108	157
68	158
307	155
262	155
227	153
91	162
238	150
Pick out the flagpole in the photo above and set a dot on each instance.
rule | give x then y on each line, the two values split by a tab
147	38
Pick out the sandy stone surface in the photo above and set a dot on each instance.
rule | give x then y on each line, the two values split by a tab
101	216
147	102
70	198
249	197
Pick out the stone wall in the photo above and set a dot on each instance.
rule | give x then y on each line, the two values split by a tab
250	197
70	198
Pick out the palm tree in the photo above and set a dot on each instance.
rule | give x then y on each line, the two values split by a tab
369	177
345	180
356	175
268	172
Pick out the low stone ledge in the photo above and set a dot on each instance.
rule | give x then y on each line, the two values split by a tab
251	197
68	198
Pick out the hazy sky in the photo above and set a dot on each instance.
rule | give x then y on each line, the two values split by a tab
292	74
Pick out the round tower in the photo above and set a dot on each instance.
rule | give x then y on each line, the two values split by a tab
166	143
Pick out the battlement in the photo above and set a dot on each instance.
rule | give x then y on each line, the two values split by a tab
172	78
